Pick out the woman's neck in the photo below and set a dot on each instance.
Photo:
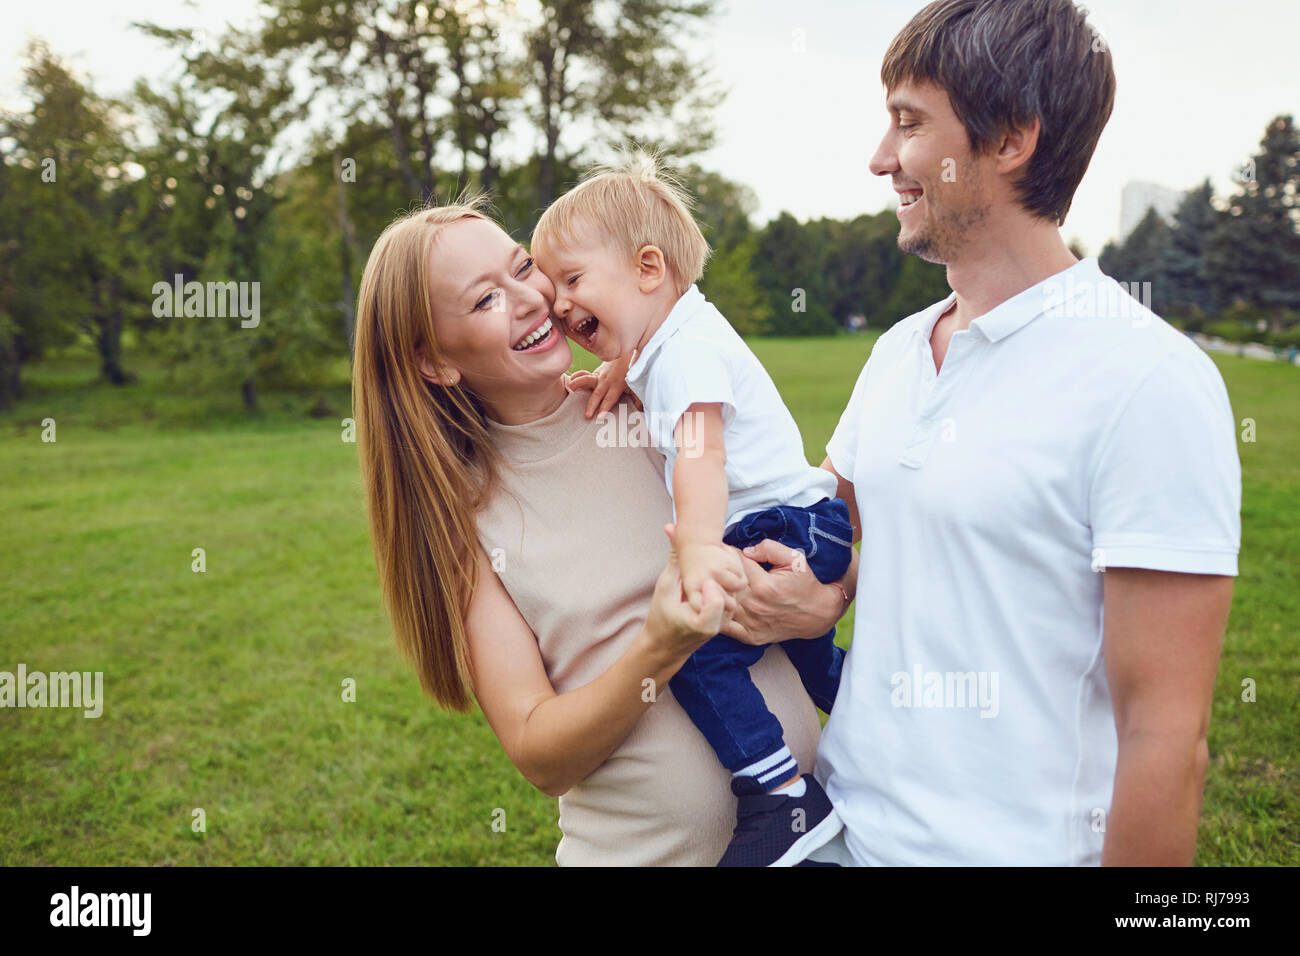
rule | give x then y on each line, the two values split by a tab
522	408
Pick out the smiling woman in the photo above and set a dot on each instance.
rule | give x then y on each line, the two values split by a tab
492	337
523	560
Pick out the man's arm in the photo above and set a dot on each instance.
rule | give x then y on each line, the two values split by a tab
783	603
844	491
1163	633
787	602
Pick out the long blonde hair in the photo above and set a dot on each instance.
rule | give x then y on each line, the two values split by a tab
427	461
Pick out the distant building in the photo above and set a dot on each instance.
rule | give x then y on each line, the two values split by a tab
1137	198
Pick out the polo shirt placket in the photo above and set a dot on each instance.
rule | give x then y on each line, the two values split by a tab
936	389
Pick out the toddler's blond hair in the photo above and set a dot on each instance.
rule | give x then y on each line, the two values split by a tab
631	203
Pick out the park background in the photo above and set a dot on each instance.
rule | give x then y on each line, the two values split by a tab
275	151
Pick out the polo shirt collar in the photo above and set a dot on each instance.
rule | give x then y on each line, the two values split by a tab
692	301
1021	309
926	328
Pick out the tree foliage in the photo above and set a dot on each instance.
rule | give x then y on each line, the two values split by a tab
274	156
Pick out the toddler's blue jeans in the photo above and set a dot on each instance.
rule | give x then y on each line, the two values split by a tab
714	686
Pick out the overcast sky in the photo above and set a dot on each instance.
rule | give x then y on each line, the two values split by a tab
1197	81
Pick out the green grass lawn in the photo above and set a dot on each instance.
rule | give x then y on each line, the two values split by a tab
224	689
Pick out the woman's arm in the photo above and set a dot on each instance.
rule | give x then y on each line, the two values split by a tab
556	740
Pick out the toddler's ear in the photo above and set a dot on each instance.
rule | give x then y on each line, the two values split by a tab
651	268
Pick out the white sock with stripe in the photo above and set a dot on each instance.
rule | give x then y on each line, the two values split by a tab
773	770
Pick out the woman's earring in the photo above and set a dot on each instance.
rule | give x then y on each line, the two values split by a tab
446	377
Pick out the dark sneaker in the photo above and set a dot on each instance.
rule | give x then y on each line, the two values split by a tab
775	830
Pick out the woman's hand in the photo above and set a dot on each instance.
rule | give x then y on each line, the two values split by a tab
677	627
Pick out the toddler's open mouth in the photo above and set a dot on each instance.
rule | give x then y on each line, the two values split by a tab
586	329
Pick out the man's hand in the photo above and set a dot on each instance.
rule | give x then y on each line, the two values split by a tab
786	602
702	562
607	385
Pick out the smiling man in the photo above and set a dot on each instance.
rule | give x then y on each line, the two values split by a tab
1046	487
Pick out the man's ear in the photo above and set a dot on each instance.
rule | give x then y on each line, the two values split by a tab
1018	145
445	376
651	268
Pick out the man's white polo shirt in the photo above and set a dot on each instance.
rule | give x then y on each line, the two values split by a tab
1069	430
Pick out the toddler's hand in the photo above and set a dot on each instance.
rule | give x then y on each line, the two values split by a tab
720	563
607	384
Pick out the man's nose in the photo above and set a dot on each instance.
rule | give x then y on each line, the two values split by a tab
885	160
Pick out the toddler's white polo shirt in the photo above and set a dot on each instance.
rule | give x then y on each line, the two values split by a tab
696	356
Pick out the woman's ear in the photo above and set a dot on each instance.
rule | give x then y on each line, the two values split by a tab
445	376
651	268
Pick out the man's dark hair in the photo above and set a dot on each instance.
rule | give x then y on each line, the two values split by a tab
1005	62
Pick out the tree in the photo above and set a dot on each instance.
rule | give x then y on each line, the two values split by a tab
729	285
1142	258
920	284
863	266
215	166
73	214
378	61
336	203
819	274
613	66
723	209
489	83
652	92
1253	253
1186	289
11	344
789	268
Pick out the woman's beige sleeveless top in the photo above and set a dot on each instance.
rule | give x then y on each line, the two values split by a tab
576	531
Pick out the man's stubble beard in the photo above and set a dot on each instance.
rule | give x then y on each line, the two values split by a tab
947	235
